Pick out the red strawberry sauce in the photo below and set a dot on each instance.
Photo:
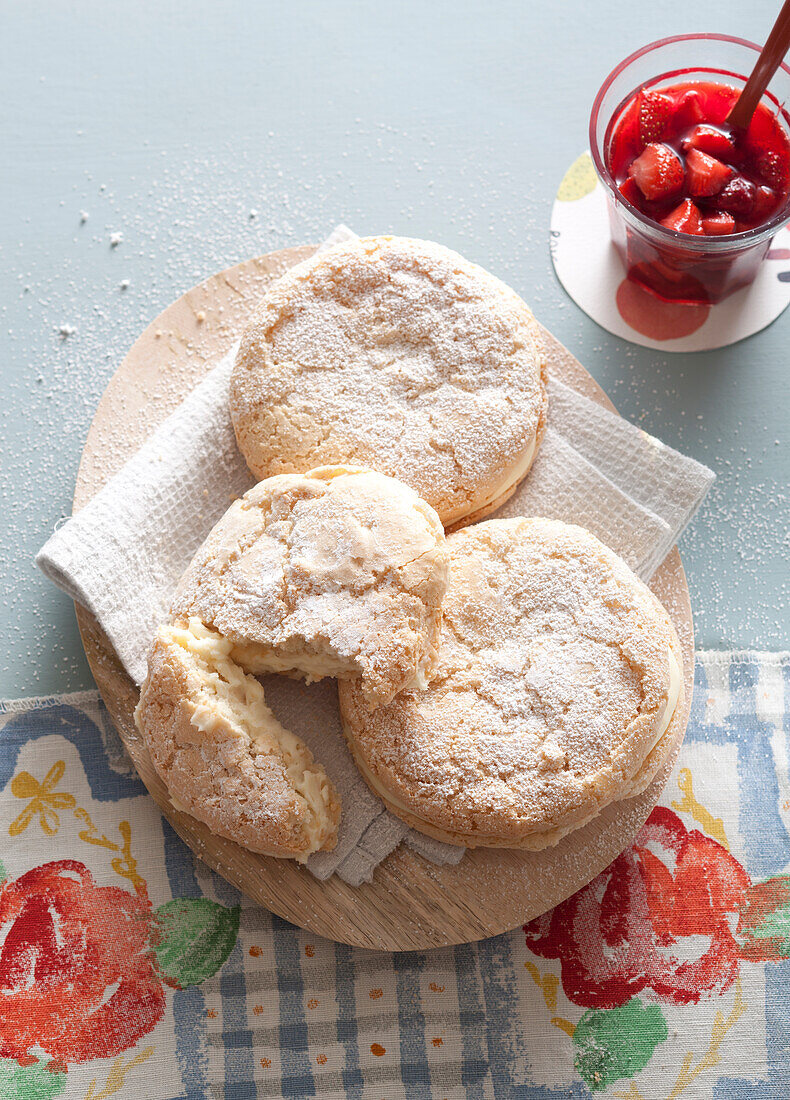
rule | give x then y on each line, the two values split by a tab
673	157
748	178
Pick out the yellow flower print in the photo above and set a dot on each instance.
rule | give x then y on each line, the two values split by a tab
45	801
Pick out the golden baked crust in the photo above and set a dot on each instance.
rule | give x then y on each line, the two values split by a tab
400	355
336	572
558	675
222	754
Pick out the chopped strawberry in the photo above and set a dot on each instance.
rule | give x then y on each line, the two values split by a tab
716	225
737	196
684	219
711	140
764	203
704	174
655	111
630	191
658	172
771	167
689	109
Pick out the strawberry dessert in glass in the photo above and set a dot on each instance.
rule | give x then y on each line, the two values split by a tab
693	203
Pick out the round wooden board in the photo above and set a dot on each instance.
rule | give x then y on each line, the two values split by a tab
411	903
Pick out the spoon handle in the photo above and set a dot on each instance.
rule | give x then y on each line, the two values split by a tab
776	46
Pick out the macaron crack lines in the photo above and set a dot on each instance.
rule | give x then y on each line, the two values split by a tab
336	572
558	677
400	355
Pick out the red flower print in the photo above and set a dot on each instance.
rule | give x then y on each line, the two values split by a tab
662	916
77	977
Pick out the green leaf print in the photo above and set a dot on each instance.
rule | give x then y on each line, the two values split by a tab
193	938
764	928
618	1042
33	1082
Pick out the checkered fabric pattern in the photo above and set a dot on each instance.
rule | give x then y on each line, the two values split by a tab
666	977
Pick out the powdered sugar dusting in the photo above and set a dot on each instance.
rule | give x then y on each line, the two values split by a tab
553	678
333	574
399	354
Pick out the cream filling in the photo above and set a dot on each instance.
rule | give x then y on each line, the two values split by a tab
259	661
227	695
513	476
388	797
312	666
420	679
673	694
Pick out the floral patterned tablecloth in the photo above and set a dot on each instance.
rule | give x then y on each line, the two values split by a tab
128	969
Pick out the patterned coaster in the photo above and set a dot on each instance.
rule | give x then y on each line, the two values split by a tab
592	273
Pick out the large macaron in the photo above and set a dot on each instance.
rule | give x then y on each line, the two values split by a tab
337	572
559	675
400	355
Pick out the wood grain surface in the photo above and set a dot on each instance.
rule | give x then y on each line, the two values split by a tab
411	903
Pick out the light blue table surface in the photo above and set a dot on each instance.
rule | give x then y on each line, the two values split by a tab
170	123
